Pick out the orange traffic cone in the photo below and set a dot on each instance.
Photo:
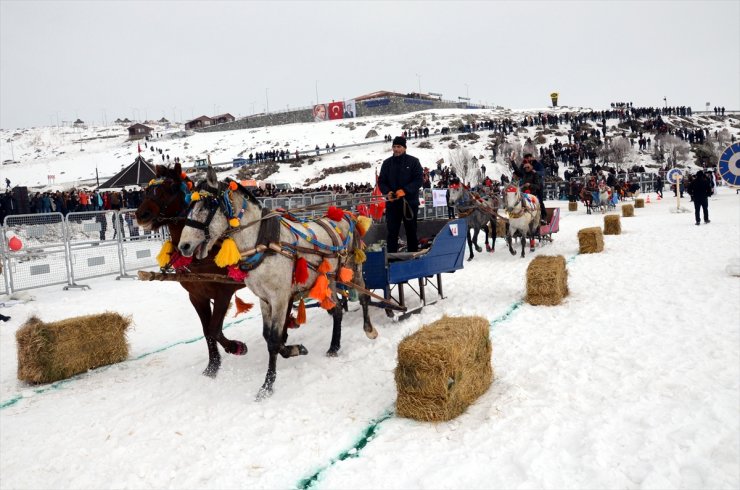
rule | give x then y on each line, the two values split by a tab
648	199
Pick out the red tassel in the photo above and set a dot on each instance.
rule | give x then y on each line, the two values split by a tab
234	272
346	274
334	213
301	315
325	267
300	274
179	261
241	306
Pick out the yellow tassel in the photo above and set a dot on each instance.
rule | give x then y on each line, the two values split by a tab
327	304
194	196
163	257
229	254
324	267
241	306
301	316
346	274
360	256
363	224
234	222
320	288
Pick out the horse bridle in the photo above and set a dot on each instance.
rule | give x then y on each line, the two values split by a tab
153	186
213	203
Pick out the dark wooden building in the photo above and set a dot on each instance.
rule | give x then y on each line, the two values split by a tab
139	131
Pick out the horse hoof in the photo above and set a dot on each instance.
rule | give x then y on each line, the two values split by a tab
371	333
211	371
332	352
389	313
263	393
512	252
240	349
302	351
470	258
478	249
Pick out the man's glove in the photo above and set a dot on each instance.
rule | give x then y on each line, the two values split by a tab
400	193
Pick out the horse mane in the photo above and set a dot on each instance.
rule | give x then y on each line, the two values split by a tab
269	229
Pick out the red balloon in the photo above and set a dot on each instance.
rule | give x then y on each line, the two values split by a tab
15	243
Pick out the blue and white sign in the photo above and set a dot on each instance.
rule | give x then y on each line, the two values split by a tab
729	165
673	175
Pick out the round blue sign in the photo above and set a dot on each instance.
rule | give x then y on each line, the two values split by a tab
729	165
673	175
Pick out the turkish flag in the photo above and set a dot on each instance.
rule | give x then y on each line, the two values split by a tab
336	110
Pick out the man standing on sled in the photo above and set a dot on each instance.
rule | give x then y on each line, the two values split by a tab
400	178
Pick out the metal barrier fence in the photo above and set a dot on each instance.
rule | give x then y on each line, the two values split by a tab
62	250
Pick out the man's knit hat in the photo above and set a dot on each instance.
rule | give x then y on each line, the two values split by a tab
399	140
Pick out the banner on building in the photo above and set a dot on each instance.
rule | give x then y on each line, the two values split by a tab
350	109
319	113
336	110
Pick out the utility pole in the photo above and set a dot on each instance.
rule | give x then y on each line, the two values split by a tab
267	102
317	91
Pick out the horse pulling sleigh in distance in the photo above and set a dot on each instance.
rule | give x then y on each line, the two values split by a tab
279	258
480	211
523	219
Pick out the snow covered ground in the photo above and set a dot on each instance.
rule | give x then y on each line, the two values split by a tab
633	382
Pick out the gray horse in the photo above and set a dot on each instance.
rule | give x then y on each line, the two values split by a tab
479	210
271	280
523	211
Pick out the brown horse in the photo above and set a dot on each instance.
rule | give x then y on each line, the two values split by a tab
165	204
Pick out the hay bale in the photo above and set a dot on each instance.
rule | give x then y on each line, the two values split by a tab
628	210
49	352
590	240
443	368
547	280
639	203
500	228
572	205
612	225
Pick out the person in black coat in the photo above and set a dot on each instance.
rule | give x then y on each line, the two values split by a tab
400	178
700	190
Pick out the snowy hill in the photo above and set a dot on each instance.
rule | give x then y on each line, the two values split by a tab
72	155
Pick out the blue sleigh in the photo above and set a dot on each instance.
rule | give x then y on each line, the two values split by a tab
391	272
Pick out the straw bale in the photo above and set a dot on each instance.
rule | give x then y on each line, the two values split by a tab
572	205
639	203
590	240
443	368
500	228
628	210
49	352
612	224
547	280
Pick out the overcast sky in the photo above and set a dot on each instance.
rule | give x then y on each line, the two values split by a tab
60	60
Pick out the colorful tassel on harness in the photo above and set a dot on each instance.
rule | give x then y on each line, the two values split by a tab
360	256
300	274
241	306
179	261
235	273
163	257
320	289
324	267
328	304
301	315
346	274
229	253
363	224
334	213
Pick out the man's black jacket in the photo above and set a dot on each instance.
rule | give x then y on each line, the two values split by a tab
402	172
